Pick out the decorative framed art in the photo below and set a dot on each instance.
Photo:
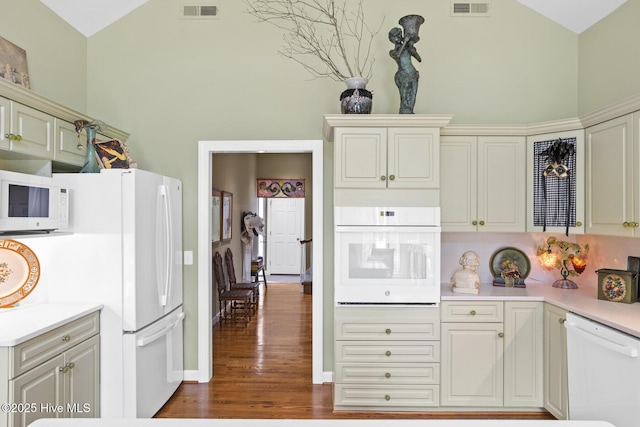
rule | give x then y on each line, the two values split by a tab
13	64
216	217
227	214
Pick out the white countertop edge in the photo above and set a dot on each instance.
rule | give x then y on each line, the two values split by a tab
21	323
183	422
582	301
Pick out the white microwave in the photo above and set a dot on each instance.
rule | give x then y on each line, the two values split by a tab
32	203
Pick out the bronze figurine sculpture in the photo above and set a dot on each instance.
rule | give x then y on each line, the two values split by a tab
407	76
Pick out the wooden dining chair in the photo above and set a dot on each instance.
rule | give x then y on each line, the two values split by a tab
239	301
234	284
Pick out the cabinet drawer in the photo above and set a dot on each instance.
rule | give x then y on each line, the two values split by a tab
40	349
388	373
386	396
472	311
391	352
386	323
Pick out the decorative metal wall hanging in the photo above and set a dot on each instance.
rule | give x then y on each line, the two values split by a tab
554	191
289	188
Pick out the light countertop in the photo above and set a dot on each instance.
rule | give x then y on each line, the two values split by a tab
583	301
178	422
26	321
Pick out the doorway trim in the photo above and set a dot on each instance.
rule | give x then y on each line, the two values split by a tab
205	300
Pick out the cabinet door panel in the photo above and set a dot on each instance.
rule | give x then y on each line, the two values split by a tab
458	190
556	399
82	382
412	158
523	354
5	122
361	158
472	364
66	144
36	130
43	387
501	183
610	177
558	199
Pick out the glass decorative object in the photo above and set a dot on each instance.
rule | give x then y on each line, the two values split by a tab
570	258
91	128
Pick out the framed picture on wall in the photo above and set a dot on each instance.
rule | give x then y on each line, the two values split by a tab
216	215
13	64
227	213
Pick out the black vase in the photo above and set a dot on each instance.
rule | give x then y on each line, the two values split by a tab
356	99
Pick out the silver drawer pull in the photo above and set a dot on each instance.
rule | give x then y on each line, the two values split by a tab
387	375
387	331
388	353
387	397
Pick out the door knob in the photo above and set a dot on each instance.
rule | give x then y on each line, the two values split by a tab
392	177
383	178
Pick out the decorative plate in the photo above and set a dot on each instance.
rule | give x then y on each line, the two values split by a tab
19	272
509	260
614	287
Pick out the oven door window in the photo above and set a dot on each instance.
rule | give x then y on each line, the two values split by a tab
404	259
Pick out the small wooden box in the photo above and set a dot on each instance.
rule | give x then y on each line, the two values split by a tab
617	285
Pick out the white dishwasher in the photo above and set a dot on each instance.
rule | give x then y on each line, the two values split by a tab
604	373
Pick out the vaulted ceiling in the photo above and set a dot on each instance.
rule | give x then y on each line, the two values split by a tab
91	16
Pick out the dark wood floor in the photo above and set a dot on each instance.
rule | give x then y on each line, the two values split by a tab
264	371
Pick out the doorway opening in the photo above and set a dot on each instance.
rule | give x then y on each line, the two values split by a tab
205	306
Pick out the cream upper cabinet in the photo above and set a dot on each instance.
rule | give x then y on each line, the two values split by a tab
69	147
5	122
41	131
31	132
556	399
492	354
380	157
483	183
555	197
612	186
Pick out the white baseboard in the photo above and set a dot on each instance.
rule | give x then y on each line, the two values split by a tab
191	375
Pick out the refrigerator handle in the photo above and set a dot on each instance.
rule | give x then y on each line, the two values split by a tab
166	253
151	338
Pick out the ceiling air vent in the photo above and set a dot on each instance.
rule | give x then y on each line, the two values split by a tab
459	8
200	11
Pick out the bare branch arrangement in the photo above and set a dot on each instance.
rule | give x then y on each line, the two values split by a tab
321	35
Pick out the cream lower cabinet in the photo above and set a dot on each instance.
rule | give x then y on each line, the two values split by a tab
491	354
612	190
483	183
386	358
55	375
556	399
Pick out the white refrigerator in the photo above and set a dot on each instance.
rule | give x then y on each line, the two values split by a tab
124	250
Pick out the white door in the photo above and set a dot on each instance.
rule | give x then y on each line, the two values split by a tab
285	229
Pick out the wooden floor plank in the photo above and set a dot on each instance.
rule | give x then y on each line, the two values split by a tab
264	371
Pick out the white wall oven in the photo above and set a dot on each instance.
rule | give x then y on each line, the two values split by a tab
387	255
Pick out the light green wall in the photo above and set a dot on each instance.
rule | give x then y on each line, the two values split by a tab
609	60
56	52
171	82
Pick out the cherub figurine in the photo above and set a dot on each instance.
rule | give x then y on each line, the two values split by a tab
466	280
